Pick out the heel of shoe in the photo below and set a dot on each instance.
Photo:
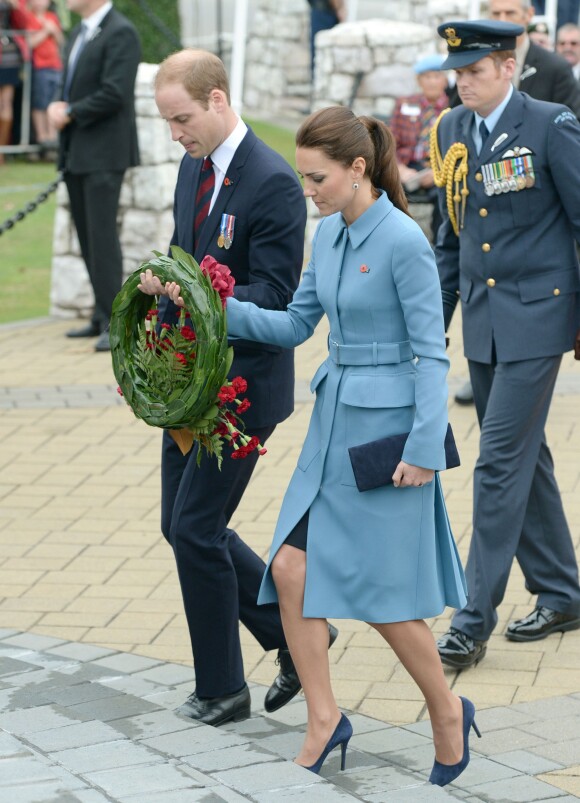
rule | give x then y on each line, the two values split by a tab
343	747
476	729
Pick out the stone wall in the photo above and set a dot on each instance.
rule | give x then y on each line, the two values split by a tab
145	211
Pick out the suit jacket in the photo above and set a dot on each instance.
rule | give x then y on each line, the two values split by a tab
103	132
514	264
547	76
263	194
385	555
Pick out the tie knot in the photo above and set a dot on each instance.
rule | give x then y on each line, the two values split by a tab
207	163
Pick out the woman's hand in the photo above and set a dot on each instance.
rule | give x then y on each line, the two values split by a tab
408	476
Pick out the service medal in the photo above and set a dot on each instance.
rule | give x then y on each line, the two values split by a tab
220	241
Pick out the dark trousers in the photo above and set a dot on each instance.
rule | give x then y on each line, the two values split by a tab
94	201
320	20
219	574
517	508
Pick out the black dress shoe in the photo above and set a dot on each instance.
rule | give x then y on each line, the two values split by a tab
465	394
90	330
459	650
287	684
540	623
217	710
103	343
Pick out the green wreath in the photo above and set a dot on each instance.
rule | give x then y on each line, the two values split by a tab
159	389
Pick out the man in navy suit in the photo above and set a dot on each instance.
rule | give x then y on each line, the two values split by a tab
255	226
508	253
95	114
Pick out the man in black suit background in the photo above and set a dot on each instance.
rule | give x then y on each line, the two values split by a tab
98	141
241	203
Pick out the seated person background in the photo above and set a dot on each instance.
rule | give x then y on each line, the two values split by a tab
411	123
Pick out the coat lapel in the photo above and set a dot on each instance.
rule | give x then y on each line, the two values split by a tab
504	133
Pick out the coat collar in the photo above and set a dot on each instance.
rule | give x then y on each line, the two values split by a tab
508	125
365	224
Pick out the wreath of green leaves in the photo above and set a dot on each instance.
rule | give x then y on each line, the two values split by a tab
192	406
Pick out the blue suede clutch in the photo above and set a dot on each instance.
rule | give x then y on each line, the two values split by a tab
375	462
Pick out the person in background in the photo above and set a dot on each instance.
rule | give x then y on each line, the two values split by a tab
509	255
568	46
11	48
95	115
324	14
411	125
45	39
539	34
568	11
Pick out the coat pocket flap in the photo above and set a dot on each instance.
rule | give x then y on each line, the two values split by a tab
318	376
379	391
547	285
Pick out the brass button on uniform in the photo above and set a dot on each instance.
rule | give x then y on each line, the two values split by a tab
479	177
490	282
556	292
486	247
483	212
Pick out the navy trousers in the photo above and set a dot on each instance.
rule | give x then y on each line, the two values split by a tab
219	574
517	508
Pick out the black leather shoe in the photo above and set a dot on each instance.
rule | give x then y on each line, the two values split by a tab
465	394
287	684
217	710
540	623
103	343
459	650
90	330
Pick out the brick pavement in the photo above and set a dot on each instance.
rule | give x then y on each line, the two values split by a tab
82	558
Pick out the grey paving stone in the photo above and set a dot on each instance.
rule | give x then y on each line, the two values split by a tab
230	757
155	723
14	770
419	759
34	720
275	775
286	745
168	674
33	676
86	796
517	790
361	724
258	727
566	753
49	792
172	698
11	746
43	659
6	633
132	685
318	793
551	708
356	761
483	770
292	714
413	794
34	641
194	740
110	755
78	693
507	739
527	762
84	672
51	741
375	781
12	666
182	796
110	708
80	652
555	730
491	719
144	779
126	662
388	739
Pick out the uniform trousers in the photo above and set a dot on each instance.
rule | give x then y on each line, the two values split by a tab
517	508
94	201
219	574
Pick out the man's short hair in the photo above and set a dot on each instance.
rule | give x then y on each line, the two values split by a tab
198	71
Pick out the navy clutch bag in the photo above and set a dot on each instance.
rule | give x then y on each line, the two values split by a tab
374	463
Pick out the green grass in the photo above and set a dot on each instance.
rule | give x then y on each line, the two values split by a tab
26	249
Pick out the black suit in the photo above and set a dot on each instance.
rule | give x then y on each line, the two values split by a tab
219	574
98	145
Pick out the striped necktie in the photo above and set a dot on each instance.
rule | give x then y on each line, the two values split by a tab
204	195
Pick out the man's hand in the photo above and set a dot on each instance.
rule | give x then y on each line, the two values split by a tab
57	115
151	286
408	476
577	346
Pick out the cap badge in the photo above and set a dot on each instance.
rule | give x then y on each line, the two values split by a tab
452	39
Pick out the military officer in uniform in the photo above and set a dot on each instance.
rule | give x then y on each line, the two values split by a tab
510	169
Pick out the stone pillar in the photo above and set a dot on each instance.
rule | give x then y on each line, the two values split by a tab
145	216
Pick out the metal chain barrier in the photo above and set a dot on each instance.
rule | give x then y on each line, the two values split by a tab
31	205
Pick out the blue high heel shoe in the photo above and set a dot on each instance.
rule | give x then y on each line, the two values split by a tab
442	774
341	736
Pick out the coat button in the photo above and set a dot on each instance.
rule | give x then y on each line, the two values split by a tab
556	292
486	247
479	177
483	212
490	282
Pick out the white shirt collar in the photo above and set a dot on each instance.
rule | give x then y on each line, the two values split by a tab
224	153
492	118
93	21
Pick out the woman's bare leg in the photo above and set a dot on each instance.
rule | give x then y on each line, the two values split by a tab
307	641
415	647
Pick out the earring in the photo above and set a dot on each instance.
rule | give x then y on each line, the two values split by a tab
355	186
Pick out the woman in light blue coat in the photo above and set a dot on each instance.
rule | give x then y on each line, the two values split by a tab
385	556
